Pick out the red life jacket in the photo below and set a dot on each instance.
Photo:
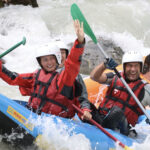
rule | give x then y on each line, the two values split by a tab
45	96
118	95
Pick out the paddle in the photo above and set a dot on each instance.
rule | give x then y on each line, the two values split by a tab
23	42
103	130
77	14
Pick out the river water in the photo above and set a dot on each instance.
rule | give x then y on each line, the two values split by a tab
125	22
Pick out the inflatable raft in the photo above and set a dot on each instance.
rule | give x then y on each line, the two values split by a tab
17	114
14	114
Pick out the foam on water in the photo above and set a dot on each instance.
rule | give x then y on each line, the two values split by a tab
60	137
124	22
126	41
144	146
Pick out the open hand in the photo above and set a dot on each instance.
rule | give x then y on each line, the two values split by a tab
86	115
79	30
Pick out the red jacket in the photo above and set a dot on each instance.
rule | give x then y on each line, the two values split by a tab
117	95
60	91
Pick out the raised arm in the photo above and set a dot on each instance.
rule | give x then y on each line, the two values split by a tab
98	74
73	61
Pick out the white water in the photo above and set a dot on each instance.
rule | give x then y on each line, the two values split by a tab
126	22
58	137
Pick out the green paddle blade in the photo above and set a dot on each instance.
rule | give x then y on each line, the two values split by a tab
77	14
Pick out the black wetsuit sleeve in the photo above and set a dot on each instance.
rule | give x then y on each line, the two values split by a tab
10	74
110	76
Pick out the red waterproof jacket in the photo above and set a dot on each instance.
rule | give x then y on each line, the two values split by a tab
118	95
54	92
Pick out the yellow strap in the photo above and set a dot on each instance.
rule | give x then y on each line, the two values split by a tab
127	148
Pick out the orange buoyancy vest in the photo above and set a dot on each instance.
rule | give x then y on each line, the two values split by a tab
118	95
46	98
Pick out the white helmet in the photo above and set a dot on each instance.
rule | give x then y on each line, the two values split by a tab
132	56
49	49
62	45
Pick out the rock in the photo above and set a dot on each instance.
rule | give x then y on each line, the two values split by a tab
1	3
84	66
93	56
33	3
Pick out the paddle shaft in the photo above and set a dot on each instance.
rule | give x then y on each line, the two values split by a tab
12	48
100	127
125	84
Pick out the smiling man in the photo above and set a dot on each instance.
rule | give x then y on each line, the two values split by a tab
119	109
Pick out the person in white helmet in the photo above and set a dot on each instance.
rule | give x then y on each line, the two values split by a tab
79	83
51	91
119	109
64	49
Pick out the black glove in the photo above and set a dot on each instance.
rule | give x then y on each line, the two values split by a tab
110	63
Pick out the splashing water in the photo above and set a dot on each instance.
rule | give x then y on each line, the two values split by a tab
60	137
